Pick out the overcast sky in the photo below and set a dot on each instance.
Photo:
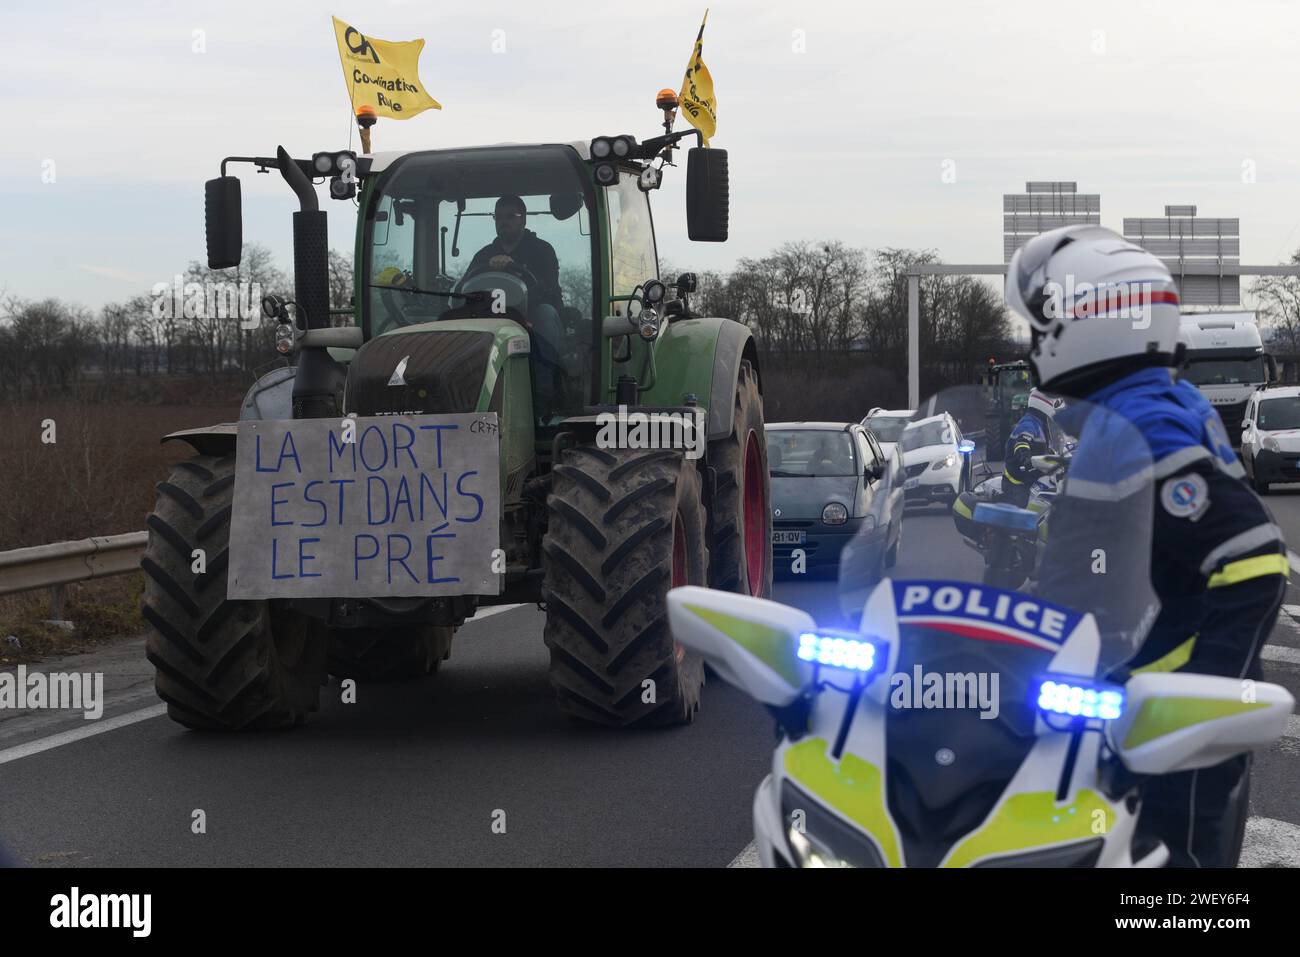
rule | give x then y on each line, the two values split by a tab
839	116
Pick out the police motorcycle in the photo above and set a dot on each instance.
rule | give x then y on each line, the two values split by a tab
963	724
1010	539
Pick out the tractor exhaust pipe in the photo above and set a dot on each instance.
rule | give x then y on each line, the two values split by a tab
310	247
318	381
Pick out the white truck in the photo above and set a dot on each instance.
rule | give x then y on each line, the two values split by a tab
1225	359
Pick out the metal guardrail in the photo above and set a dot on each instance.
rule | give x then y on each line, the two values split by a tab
62	563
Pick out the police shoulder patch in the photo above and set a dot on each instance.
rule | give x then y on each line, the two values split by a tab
1185	496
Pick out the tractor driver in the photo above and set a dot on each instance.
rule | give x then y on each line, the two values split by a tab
519	250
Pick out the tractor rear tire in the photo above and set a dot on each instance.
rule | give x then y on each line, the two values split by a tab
220	664
413	651
740	521
624	527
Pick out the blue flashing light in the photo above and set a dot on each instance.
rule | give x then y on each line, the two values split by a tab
1080	701
1003	515
837	652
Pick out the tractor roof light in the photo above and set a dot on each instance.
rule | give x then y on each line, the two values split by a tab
606	174
601	148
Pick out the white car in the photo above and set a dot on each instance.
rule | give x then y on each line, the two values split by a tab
936	460
887	425
1270	437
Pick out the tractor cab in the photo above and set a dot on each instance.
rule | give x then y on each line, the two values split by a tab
499	234
543	240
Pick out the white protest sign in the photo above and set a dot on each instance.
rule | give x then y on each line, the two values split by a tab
410	506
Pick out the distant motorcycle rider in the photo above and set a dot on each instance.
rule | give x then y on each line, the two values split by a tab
1103	315
1034	434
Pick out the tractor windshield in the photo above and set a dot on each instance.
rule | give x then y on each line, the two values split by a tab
499	231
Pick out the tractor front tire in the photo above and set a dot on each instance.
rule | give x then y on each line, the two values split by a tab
740	522
624	526
412	651
220	664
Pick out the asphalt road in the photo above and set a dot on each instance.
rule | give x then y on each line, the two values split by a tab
417	773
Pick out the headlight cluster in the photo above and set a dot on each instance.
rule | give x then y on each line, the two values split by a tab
815	837
835	514
1270	444
947	462
807	854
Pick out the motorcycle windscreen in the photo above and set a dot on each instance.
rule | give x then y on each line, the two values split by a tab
986	594
1087	547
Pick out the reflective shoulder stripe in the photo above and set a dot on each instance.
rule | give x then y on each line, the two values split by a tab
1171	661
1247	541
1245	569
1107	491
1184	457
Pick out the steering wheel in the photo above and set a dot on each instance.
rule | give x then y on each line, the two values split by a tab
514	268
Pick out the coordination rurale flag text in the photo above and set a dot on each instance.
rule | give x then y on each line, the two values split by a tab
382	74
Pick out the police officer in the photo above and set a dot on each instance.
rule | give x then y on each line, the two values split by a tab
1033	434
1103	315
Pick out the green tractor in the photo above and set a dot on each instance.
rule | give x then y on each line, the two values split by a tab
1005	380
459	308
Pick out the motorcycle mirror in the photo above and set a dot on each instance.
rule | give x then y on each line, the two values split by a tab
1180	722
750	642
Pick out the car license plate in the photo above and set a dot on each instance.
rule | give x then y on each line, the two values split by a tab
911	483
787	538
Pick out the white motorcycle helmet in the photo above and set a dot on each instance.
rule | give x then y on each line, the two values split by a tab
1098	307
1044	403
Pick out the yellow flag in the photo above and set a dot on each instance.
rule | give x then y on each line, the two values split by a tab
697	99
382	74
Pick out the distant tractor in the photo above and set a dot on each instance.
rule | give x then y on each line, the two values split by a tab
596	534
1006	380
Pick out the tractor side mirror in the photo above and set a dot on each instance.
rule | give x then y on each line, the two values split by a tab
224	222
707	195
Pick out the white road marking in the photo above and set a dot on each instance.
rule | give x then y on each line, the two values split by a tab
492	610
79	734
1292	727
144	714
1270	843
746	858
1281	653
